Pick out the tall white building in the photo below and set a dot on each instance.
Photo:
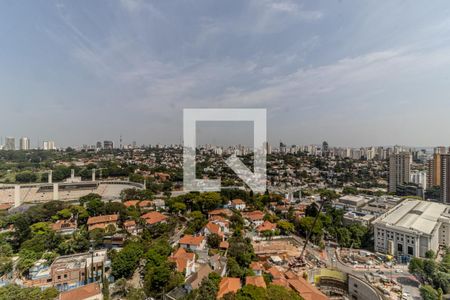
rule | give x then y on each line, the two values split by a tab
24	143
419	178
10	143
48	145
412	228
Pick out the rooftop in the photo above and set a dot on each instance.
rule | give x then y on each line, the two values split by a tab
415	215
82	292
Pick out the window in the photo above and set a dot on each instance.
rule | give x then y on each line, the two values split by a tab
400	248
59	276
410	251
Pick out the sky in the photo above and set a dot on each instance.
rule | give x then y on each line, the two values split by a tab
354	73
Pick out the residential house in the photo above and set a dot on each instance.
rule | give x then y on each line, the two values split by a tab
237	204
146	204
257	281
224	245
102	222
193	243
306	290
220	212
222	222
266	226
212	228
154	217
185	261
71	271
257	268
228	285
131	227
90	291
65	227
196	279
131	203
254	218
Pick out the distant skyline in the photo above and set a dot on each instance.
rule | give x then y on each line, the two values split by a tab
353	73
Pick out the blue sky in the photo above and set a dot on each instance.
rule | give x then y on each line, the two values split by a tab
350	72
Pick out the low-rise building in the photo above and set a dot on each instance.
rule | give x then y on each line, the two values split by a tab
65	227
412	228
102	222
257	281
185	261
193	243
228	285
237	204
90	291
154	217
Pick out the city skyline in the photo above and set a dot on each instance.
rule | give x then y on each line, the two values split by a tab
321	69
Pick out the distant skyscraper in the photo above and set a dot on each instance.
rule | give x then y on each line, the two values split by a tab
48	145
445	178
108	145
282	147
325	147
399	170
10	143
99	145
24	143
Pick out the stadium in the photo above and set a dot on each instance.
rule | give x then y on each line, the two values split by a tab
72	190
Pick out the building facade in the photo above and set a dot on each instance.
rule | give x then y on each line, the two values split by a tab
399	170
412	228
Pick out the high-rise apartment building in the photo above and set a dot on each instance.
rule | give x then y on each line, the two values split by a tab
48	145
108	145
24	143
10	143
399	170
434	171
445	178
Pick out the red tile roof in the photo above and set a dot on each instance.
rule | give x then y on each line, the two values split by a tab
256	281
254	215
281	282
276	274
181	259
256	265
5	206
228	285
145	203
213	228
191	240
82	292
224	245
64	224
237	202
266	226
154	217
129	223
103	219
306	290
130	203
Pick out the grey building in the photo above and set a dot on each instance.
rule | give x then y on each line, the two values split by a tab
399	170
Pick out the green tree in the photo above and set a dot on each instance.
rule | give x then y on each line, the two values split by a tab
286	227
276	292
213	240
126	261
428	293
